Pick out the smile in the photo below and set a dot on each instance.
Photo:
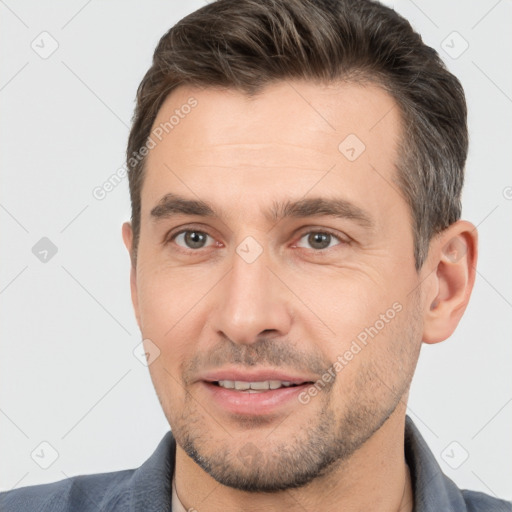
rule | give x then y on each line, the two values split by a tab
254	387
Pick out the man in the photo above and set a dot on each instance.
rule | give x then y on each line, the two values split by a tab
295	176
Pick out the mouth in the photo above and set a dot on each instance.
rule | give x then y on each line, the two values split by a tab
255	397
256	386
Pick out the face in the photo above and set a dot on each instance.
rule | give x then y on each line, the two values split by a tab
276	277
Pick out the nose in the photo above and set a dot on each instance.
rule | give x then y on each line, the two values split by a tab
251	302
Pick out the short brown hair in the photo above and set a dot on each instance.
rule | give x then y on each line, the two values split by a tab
248	44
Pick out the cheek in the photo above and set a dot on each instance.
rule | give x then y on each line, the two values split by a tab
165	298
376	365
355	320
169	318
346	301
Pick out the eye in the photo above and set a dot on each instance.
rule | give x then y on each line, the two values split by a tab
319	240
191	239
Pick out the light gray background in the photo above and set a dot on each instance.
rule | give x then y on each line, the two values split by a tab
68	375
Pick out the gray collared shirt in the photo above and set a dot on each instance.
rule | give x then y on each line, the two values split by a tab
148	488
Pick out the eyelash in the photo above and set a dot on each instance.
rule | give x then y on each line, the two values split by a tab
172	237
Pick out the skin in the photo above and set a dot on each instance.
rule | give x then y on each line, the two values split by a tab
297	307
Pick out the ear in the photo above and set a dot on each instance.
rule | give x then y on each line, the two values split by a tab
128	242
453	255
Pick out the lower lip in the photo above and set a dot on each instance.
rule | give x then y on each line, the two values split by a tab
253	404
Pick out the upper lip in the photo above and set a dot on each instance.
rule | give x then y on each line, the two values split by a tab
260	375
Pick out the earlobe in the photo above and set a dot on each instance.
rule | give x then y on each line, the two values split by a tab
453	258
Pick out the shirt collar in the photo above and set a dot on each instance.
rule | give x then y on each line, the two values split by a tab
433	490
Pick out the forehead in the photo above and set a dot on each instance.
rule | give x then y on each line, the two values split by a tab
329	109
288	139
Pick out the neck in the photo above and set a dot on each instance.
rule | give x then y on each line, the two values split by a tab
376	477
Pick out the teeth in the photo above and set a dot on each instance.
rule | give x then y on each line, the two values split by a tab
256	386
260	385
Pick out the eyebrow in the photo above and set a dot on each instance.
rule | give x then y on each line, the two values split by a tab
174	204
